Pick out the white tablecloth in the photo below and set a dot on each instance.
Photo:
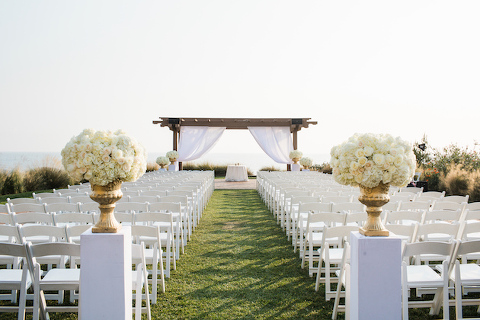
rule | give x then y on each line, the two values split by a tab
236	173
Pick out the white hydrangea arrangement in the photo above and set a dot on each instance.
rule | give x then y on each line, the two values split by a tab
102	157
370	159
162	161
172	155
295	154
306	162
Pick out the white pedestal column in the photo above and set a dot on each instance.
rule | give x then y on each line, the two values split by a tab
173	167
375	277
106	275
295	167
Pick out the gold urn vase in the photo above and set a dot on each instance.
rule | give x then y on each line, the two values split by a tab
106	196
374	199
295	160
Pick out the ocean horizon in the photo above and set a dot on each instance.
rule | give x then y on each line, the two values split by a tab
253	161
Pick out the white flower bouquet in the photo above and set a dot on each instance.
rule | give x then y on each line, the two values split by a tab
295	154
162	161
306	162
172	155
369	159
102	157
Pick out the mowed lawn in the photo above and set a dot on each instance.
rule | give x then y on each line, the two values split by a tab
239	265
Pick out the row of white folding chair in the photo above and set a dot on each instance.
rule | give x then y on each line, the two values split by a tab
30	274
354	214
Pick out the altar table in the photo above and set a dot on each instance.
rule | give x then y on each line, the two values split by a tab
236	173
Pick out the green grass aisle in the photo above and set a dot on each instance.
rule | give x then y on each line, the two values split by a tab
239	265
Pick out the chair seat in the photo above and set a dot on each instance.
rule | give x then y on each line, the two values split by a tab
470	274
12	278
64	277
423	275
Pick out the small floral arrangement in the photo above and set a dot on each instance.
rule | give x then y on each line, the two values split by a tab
162	161
306	162
172	155
295	154
368	160
102	157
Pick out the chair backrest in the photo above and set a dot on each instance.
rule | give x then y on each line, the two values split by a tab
34	232
449	205
328	218
428	247
348	207
338	232
337	199
425	232
165	207
10	232
52	248
442	215
458	199
143	198
6	218
74	232
416	190
154	193
404	217
62	207
89	207
433	194
21	200
81	199
417	205
45	195
27	207
315	207
54	200
178	199
131	207
33	218
403	230
150	218
474	206
13	250
73	218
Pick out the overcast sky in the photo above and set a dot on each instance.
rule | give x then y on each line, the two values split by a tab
407	68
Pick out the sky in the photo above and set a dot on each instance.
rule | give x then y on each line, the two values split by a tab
407	68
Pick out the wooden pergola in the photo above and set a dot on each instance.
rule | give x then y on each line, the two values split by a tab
174	124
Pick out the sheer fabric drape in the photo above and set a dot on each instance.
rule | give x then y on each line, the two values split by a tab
275	141
196	141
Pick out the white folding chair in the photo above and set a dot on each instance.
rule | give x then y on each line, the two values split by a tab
54	279
153	255
424	276
163	221
331	255
466	275
140	281
343	281
15	279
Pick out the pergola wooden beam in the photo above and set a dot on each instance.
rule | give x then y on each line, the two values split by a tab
295	124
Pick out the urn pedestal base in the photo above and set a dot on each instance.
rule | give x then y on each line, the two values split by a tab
106	196
374	199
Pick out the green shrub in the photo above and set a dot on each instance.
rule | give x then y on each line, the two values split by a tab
46	178
456	181
219	169
475	186
269	168
324	167
13	182
152	166
3	176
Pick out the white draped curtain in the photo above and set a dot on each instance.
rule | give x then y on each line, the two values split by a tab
275	141
196	141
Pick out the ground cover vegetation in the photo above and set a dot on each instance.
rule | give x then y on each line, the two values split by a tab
453	169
